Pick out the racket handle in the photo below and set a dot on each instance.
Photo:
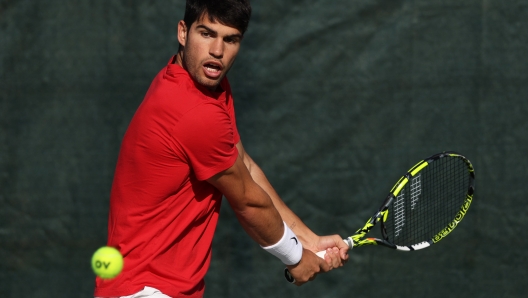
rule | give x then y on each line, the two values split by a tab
348	241
320	254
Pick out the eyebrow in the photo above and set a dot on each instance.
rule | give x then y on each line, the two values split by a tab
238	35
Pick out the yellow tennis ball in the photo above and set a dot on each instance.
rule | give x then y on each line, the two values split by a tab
107	262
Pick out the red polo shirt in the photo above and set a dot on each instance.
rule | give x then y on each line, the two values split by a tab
162	213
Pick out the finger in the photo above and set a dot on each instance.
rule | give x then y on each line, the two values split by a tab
326	263
336	259
299	282
343	252
332	259
329	258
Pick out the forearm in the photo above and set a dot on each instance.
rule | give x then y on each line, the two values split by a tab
336	249
251	204
259	217
308	238
306	235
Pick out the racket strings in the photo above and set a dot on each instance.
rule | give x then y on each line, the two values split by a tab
428	202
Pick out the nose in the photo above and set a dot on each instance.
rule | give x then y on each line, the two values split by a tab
217	48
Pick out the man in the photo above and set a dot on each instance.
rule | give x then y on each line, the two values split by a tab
180	154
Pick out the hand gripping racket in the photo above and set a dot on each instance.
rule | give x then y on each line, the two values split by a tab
422	208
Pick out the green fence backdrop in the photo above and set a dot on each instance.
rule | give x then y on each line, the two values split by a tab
333	99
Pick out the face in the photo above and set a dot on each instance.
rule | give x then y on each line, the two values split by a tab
209	50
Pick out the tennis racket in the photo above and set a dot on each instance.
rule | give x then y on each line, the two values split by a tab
423	207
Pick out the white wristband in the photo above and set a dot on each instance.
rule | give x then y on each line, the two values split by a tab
289	249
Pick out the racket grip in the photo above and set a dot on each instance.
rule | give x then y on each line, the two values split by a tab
320	254
348	241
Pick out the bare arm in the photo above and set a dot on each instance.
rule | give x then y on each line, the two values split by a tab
291	219
251	204
261	213
259	217
308	238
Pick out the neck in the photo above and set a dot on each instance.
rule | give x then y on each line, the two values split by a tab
179	60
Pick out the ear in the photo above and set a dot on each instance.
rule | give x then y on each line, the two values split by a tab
182	32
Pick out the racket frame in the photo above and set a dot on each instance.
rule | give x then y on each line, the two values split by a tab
358	239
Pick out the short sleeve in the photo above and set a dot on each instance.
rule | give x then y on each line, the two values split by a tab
231	109
206	136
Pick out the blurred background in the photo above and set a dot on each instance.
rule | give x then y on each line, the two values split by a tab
334	99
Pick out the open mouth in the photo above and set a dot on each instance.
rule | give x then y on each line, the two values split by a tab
212	69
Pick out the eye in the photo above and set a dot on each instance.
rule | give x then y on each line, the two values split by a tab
232	40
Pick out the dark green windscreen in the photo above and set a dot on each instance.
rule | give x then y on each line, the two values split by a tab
333	99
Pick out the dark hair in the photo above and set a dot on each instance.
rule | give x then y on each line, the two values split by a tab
233	13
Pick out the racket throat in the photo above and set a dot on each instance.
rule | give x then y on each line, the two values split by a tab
349	242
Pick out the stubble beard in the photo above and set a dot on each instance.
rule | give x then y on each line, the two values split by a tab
196	72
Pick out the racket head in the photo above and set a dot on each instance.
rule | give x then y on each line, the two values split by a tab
425	205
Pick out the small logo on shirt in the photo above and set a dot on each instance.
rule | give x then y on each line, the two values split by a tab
296	242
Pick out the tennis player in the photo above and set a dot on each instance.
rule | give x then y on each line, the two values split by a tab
180	154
